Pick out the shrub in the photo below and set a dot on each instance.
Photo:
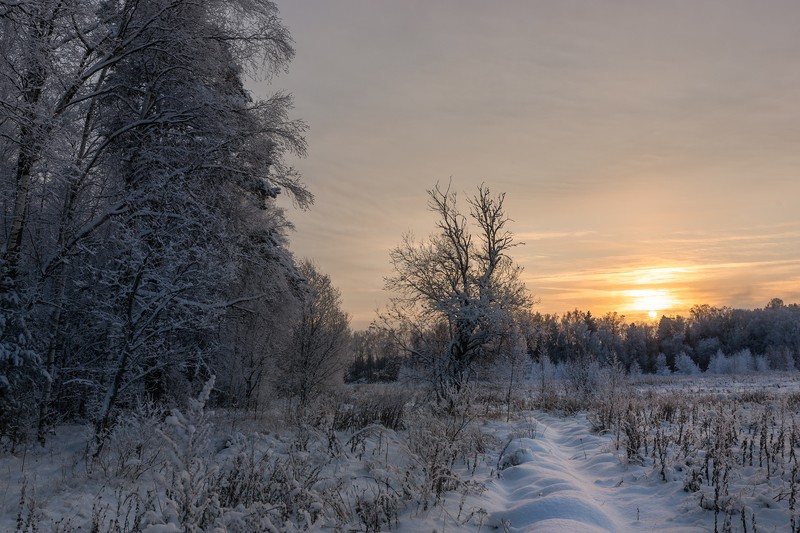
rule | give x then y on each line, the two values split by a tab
132	447
372	405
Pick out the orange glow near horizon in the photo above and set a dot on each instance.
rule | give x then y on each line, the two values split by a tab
640	293
650	301
656	291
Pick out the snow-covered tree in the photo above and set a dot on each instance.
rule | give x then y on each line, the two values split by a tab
20	369
662	368
742	362
719	364
256	331
376	358
137	174
461	283
316	356
685	365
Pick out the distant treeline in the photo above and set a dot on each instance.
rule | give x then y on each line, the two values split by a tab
722	338
772	333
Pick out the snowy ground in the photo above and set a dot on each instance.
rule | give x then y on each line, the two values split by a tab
540	472
723	385
569	479
565	479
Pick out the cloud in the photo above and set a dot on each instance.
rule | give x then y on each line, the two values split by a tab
632	138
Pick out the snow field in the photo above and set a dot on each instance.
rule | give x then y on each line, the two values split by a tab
726	461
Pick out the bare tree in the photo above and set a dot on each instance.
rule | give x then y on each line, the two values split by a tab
457	292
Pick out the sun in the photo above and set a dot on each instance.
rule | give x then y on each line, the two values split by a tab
650	301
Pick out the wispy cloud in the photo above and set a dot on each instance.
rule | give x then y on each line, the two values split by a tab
640	145
540	236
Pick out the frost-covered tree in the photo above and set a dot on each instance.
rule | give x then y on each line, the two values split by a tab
662	368
719	364
640	347
316	356
742	362
48	79
256	330
685	365
376	358
203	155
137	174
609	336
20	369
509	364
672	337
461	284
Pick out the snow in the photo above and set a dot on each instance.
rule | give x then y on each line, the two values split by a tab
573	480
551	488
568	479
541	472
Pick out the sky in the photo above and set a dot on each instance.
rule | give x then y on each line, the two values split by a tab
649	150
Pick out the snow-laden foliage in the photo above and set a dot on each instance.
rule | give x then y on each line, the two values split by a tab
685	365
138	192
20	367
190	498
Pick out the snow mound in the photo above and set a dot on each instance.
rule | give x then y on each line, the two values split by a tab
516	453
566	510
569	480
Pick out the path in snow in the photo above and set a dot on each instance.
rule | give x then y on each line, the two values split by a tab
567	479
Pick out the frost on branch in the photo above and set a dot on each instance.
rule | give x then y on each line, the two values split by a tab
458	293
